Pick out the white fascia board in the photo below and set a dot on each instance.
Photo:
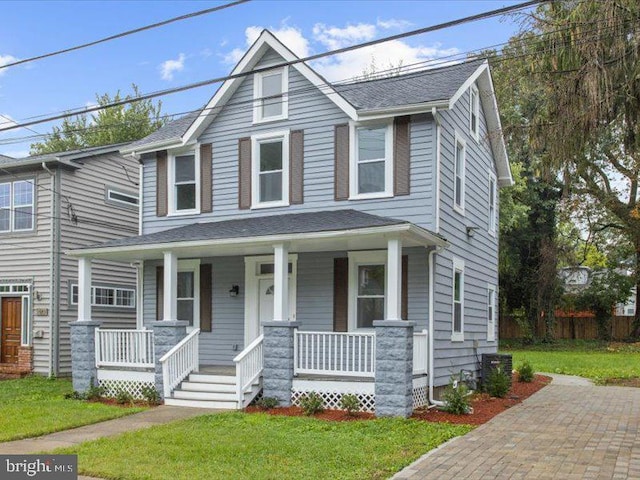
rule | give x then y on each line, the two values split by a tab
152	147
427	107
467	84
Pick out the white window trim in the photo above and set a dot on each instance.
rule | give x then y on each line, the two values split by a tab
113	190
258	100
12	207
493	217
192	266
23	291
108	287
171	194
474	108
459	140
458	266
374	257
491	320
353	161
256	140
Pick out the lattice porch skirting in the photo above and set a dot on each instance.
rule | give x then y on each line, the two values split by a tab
130	381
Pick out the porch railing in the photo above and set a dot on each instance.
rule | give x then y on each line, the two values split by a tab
124	348
249	365
179	362
334	353
420	349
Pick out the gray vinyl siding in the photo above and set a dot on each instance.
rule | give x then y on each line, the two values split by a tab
313	112
480	253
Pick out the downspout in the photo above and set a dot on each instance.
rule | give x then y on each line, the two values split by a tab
432	290
436	117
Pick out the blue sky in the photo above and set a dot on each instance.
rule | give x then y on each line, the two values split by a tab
206	46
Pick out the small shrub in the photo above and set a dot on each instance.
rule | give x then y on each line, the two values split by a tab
123	397
75	395
455	399
497	384
267	403
151	395
95	392
311	403
350	403
525	372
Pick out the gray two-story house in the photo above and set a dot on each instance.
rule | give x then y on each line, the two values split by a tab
298	236
49	204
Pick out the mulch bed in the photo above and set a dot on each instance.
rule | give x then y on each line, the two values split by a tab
332	415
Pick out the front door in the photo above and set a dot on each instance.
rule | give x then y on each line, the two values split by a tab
10	337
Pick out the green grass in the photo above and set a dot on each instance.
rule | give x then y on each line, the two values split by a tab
261	446
34	406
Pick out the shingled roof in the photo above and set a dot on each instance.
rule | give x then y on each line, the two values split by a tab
171	131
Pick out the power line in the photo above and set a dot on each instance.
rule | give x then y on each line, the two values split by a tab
420	31
124	34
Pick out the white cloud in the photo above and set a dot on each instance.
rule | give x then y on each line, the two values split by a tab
6	121
335	37
16	153
169	67
393	23
4	60
291	36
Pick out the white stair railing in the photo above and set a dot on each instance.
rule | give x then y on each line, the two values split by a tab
420	357
335	353
249	365
124	348
179	362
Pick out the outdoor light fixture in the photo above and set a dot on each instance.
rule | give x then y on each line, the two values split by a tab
234	291
471	231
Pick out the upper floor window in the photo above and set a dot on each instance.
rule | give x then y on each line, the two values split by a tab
184	182
459	187
16	206
457	317
270	169
270	95
474	112
493	208
372	161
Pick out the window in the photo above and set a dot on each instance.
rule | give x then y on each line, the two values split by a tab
372	161
122	198
491	313
270	169
184	182
457	323
270	95
188	297
474	112
458	193
16	206
104	296
493	210
367	288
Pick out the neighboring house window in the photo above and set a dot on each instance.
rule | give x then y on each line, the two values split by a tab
184	182
372	161
491	313
493	207
459	187
105	296
474	112
367	288
188	292
457	321
270	169
120	197
270	95
16	206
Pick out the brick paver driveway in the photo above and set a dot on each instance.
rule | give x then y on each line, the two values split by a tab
562	432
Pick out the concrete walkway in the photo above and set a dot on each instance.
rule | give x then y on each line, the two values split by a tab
568	430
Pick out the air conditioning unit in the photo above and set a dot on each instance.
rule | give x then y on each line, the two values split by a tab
491	361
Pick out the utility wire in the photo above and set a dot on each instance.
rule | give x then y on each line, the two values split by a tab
124	34
420	31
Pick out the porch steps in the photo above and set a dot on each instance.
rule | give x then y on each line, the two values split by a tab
210	391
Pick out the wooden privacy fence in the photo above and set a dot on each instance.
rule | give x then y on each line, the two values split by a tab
571	328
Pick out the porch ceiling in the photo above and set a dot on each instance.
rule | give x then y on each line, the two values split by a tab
305	232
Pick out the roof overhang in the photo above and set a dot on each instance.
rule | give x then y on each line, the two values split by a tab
337	240
413	109
36	164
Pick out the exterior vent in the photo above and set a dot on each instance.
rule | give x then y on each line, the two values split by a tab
491	361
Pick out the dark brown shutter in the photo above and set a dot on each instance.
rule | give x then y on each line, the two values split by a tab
244	173
341	168
404	300
206	191
205	297
296	167
340	294
159	293
161	183
401	155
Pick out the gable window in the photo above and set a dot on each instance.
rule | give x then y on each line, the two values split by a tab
184	182
491	313
16	206
122	198
493	210
270	95
105	296
270	169
459	186
474	112
457	318
367	288
372	161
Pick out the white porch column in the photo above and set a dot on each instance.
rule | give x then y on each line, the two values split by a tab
170	286
281	282
84	289
394	279
139	295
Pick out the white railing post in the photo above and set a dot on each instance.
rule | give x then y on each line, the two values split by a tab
420	357
249	366
179	362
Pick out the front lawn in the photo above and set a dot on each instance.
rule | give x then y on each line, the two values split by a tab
34	406
261	446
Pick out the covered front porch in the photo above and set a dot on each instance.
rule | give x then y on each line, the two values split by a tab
280	314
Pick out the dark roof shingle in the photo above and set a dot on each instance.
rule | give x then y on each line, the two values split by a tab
172	130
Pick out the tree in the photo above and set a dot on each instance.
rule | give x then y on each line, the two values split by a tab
118	124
